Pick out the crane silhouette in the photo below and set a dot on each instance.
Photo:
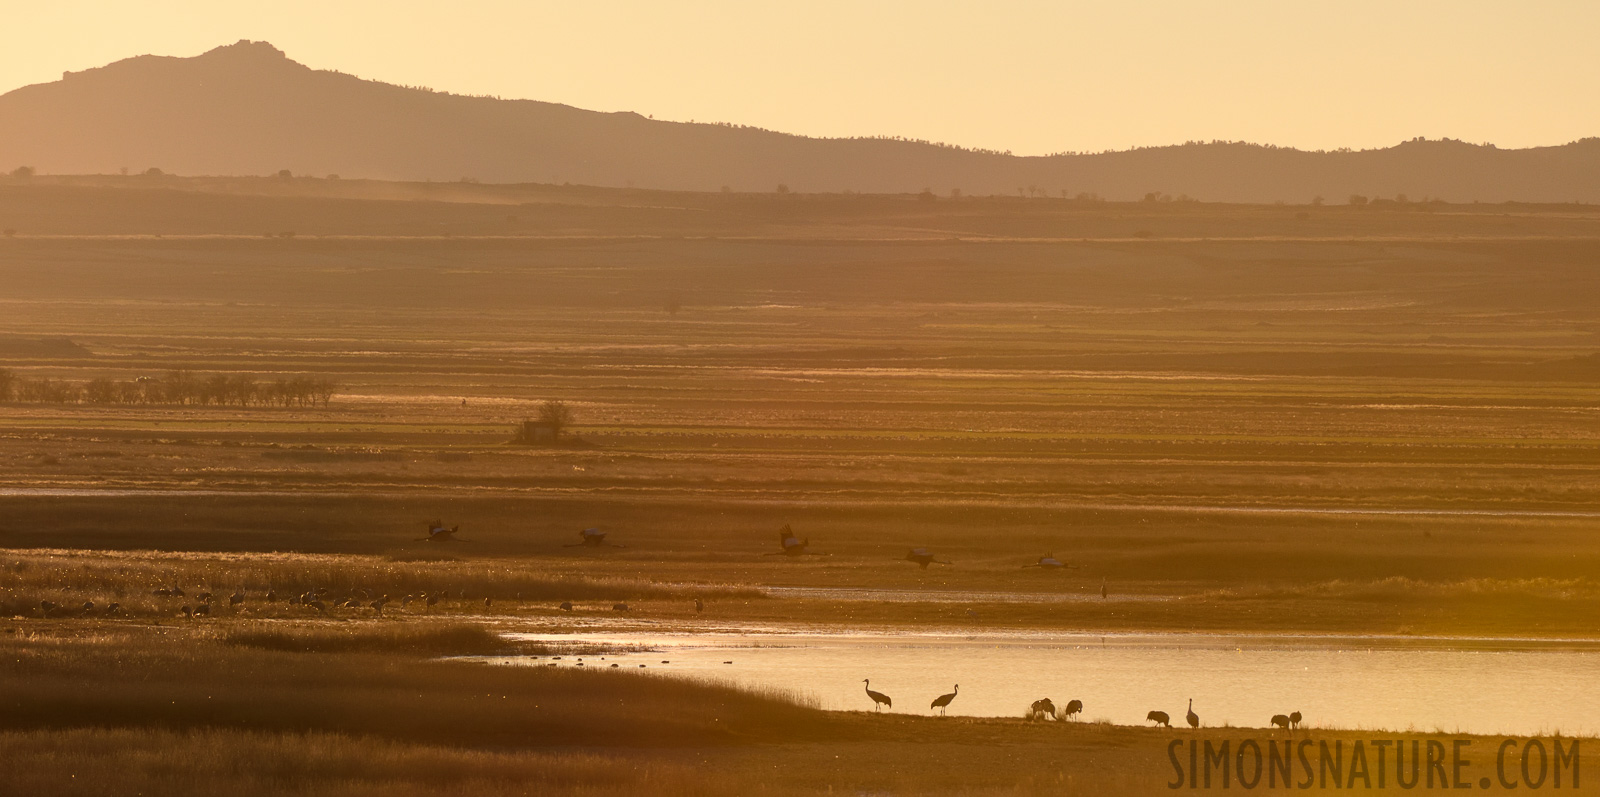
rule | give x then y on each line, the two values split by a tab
592	538
879	699
1050	562
1041	707
943	701
792	545
438	533
1074	708
1294	720
923	557
1193	718
1280	721
1159	718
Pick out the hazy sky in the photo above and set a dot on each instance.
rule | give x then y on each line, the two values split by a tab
1031	77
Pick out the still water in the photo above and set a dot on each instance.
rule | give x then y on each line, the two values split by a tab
1521	687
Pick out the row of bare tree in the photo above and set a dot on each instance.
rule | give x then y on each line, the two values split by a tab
181	388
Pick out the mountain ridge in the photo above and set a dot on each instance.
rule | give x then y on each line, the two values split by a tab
247	108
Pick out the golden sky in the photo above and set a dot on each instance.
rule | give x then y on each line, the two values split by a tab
1031	77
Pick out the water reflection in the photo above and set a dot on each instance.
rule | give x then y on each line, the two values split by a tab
1524	687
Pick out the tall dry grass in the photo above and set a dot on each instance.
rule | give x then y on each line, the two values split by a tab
177	679
96	762
71	577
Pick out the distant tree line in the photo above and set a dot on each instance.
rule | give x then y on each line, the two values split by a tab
176	388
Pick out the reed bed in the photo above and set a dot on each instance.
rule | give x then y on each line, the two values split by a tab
72	577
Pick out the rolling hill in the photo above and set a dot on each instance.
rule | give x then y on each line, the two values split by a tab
247	109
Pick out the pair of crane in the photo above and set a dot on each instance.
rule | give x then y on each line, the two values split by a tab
879	699
439	532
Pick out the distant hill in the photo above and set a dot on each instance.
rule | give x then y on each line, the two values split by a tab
247	109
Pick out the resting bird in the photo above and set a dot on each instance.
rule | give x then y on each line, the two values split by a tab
592	538
1074	707
923	557
438	533
1042	707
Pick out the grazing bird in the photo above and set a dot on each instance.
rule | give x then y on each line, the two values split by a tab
113	608
699	606
566	606
942	701
272	596
1042	708
1193	718
161	591
1102	589
923	557
592	538
204	596
620	607
187	611
1280	721
1050	562
378	604
1073	709
88	606
438	533
792	545
1159	718
406	601
1294	720
319	606
177	592
879	699
203	610
237	597
433	598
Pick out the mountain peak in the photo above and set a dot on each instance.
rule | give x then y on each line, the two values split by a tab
244	49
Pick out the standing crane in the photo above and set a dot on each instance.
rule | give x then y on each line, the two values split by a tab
943	701
879	699
1074	708
1193	718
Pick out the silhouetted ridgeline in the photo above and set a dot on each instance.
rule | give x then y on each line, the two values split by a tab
248	109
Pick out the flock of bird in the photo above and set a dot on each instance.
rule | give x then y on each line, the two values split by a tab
1045	707
789	544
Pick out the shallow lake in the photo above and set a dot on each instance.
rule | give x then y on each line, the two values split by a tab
1521	687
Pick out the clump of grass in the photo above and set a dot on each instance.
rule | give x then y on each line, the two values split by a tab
176	679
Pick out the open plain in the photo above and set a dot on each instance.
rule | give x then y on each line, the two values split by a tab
1287	419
